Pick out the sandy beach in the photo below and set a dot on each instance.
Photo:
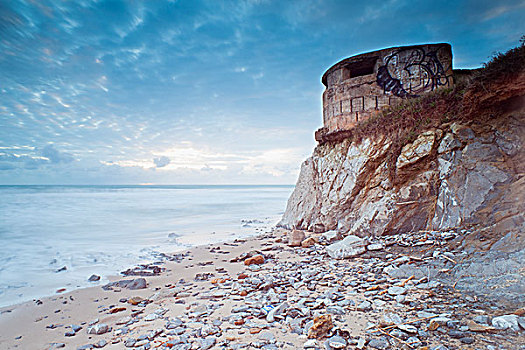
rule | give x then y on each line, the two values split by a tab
290	298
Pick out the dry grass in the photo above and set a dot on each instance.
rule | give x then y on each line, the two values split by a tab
404	121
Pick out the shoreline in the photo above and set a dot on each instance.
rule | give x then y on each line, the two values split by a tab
212	300
156	256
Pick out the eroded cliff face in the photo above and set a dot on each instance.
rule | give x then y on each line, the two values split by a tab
455	175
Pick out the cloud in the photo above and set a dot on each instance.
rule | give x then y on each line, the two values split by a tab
161	161
119	82
55	156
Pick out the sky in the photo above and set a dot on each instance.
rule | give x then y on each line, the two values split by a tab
199	92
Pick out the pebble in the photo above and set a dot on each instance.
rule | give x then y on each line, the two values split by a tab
94	278
307	301
364	306
100	344
380	343
98	329
395	290
337	342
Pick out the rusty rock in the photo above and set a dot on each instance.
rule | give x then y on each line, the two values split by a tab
258	259
322	325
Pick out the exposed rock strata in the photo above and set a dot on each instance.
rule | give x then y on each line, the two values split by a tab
455	175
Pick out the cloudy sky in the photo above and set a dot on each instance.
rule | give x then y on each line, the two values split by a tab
188	91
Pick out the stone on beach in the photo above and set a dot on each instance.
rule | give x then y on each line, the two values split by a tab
506	322
100	328
349	247
137	283
295	238
257	259
321	326
310	241
94	278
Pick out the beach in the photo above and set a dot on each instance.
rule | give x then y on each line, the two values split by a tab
277	290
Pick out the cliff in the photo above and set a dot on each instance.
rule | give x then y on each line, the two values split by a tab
450	159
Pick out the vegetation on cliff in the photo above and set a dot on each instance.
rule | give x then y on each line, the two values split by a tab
476	99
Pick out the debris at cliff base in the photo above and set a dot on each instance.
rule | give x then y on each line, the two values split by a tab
388	298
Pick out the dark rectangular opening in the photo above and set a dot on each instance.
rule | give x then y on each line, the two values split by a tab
362	67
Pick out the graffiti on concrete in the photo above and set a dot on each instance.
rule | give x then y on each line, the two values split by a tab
409	72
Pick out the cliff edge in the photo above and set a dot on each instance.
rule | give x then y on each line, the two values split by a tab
452	159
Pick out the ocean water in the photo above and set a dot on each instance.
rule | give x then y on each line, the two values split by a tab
105	229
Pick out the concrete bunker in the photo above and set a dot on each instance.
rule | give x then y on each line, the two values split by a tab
359	86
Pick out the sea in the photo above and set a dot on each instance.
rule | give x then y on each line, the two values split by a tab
55	237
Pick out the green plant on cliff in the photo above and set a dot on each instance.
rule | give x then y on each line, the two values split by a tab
502	65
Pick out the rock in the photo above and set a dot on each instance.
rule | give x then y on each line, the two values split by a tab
100	328
266	336
335	310
123	320
130	343
94	278
364	306
135	300
521	322
467	340
414	341
70	333
76	327
257	259
475	327
361	343
295	238
395	290
331	236
349	247
100	344
207	343
310	241
464	133
321	326
56	346
151	317
448	143
209	329
380	343
310	344
85	347
390	319
407	328
416	150
337	342
138	283
506	322
375	246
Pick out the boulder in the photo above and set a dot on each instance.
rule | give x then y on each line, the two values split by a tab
295	238
349	247
310	241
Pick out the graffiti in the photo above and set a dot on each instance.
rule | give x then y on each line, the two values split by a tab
409	72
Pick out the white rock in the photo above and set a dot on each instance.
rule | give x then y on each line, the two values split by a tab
375	246
310	344
416	150
407	328
506	322
331	236
347	248
98	329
